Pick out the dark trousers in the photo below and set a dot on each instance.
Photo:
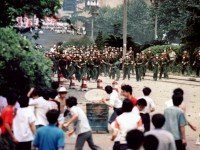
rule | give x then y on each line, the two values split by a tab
23	146
9	140
87	136
146	121
179	145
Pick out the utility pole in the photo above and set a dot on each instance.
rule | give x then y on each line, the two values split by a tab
125	28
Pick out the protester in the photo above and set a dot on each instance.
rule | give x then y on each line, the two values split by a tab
113	101
180	91
176	122
145	114
50	137
62	93
141	104
126	122
150	142
126	91
41	107
135	139
24	125
7	115
165	138
81	125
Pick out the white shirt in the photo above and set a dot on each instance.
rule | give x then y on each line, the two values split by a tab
150	104
23	118
136	110
114	99
165	138
81	124
41	107
126	122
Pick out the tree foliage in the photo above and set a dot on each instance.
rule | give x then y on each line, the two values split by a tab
21	66
172	16
10	9
191	38
110	20
99	41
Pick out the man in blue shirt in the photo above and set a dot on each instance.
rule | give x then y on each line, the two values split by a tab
50	137
176	122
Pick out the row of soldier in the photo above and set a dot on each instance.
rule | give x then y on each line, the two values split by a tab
91	62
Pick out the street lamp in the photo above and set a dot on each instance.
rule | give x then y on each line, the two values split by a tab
94	6
155	4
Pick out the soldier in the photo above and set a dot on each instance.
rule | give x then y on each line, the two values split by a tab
172	58
138	69
96	68
90	66
62	66
115	68
163	65
144	64
105	64
149	57
126	67
155	65
71	66
185	62
83	66
197	63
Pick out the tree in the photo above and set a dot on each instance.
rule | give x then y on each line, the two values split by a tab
11	9
172	17
191	38
99	41
21	66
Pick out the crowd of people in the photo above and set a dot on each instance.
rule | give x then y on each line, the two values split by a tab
92	62
36	120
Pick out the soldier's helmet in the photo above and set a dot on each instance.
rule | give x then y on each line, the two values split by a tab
184	52
137	54
157	55
199	51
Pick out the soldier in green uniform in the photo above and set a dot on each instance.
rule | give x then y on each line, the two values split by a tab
83	66
138	68
185	63
96	68
62	66
144	64
149	57
115	68
164	61
197	63
105	64
155	64
90	66
126	67
71	66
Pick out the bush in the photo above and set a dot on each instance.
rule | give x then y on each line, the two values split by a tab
21	65
158	49
84	41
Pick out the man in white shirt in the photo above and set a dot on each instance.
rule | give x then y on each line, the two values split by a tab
113	101
145	114
126	122
24	124
41	108
165	138
81	125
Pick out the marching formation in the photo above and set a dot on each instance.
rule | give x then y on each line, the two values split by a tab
92	62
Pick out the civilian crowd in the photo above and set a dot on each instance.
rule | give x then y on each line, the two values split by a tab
36	121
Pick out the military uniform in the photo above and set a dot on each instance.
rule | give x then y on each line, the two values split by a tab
185	63
197	63
138	67
164	66
126	67
144	64
155	64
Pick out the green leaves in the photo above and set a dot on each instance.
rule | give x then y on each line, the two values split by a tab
21	65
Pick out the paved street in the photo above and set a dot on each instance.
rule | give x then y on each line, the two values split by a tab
161	92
